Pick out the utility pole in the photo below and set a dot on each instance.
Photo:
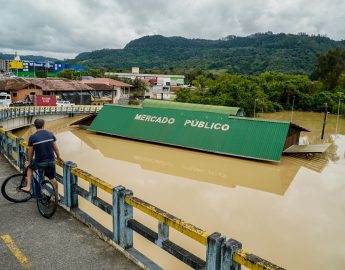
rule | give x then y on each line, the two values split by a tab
324	121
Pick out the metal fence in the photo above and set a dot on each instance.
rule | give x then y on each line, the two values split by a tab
14	112
221	252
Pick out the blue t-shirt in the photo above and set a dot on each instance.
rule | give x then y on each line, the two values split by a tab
42	142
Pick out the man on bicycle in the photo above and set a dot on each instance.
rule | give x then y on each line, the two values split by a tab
41	154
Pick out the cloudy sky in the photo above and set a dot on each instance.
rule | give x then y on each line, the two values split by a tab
64	28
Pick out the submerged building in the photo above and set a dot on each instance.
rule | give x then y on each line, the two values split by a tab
214	129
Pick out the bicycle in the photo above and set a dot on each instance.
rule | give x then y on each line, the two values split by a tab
43	190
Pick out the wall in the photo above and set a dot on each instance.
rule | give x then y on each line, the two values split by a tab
292	139
21	94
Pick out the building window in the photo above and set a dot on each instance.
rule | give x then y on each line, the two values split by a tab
14	94
32	93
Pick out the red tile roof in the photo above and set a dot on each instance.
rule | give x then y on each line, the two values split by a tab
100	86
107	81
44	84
13	84
60	85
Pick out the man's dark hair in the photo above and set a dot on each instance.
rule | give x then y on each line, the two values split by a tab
39	123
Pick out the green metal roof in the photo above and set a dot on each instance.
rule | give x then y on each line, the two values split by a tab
234	111
212	132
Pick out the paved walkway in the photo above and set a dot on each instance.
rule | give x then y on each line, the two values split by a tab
28	240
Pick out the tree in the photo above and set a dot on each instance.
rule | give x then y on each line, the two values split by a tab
329	67
41	73
139	87
96	73
268	92
201	83
68	74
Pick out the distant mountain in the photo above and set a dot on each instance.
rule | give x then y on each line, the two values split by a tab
253	54
28	58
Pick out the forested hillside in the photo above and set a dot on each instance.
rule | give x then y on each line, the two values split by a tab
254	54
270	91
28	58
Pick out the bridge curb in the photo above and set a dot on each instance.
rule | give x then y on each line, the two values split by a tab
100	234
105	238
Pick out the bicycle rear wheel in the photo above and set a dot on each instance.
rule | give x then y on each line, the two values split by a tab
10	188
47	199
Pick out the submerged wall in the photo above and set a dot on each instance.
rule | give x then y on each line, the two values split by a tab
207	131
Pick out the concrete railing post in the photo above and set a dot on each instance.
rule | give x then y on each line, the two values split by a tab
92	192
163	233
227	255
122	212
213	251
126	213
19	151
67	180
116	213
5	143
8	146
2	137
73	193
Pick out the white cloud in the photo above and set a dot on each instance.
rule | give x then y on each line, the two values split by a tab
64	28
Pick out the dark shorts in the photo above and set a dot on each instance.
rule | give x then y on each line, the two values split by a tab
49	167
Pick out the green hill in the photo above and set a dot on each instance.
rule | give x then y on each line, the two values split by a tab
28	58
254	54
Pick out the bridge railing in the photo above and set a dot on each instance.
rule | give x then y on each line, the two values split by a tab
14	112
221	252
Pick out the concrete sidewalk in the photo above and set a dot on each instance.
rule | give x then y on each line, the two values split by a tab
61	242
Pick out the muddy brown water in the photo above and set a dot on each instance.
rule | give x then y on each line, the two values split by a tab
291	213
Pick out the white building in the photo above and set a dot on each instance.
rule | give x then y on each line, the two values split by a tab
158	79
118	90
160	84
4	67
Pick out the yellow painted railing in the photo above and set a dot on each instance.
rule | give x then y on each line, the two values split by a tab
240	256
93	180
174	222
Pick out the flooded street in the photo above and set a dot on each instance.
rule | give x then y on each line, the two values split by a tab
291	213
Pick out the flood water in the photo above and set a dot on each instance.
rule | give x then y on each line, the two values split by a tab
291	213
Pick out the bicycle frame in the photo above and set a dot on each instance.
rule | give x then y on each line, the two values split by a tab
42	190
37	178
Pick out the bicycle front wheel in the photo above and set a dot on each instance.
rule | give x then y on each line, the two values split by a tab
47	199
11	188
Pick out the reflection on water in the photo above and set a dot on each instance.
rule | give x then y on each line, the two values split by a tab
215	169
290	213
